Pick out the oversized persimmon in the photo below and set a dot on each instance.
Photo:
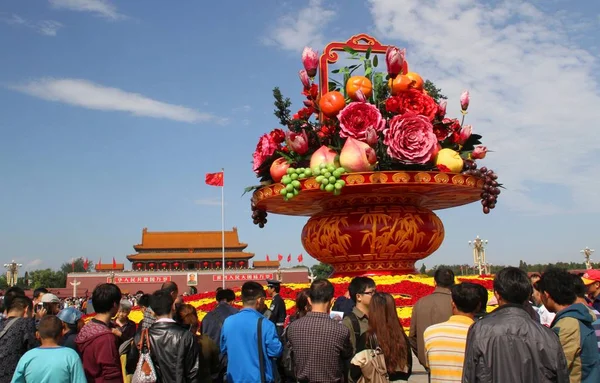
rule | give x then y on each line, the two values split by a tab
400	84
416	79
331	103
356	83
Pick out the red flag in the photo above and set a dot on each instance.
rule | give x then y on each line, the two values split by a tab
300	258
86	264
280	257
114	263
73	264
99	265
289	258
268	260
214	179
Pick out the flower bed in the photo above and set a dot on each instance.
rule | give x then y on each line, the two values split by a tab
406	289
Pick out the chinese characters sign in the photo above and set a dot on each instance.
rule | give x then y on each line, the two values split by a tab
243	277
157	279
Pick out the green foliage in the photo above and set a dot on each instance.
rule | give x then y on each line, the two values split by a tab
3	282
67	267
434	91
282	107
47	278
530	268
322	270
423	269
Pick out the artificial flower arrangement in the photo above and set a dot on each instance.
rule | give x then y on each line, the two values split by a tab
371	122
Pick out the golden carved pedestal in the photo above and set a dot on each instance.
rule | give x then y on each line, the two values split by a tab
381	224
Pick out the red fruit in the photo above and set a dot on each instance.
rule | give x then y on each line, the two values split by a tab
279	169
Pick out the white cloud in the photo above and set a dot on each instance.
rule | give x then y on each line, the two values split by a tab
303	28
98	7
534	94
44	27
242	109
89	95
33	263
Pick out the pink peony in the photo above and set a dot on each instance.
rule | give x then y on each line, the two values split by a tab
358	118
298	142
265	148
410	139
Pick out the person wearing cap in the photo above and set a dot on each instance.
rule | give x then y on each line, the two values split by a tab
71	320
278	312
591	279
51	304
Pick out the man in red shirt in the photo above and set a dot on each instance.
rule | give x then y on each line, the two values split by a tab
96	342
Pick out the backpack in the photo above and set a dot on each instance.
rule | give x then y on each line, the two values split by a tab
287	357
355	326
144	371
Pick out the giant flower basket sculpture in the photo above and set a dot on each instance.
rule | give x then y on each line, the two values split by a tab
369	158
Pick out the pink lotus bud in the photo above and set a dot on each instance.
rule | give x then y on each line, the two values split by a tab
394	58
360	96
441	112
479	153
304	78
465	133
324	155
310	60
357	156
464	100
371	136
298	142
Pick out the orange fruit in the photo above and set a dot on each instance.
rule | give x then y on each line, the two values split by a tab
417	81
400	84
356	83
331	103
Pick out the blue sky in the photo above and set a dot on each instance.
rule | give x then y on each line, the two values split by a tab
112	112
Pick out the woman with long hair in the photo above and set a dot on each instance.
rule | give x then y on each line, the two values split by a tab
386	334
302	307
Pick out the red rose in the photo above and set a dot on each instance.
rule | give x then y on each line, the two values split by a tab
265	148
410	139
413	101
441	131
359	119
277	135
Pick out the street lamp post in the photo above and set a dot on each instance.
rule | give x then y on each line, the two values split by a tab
587	253
478	246
12	273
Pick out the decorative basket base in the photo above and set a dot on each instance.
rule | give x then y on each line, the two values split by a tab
373	239
381	224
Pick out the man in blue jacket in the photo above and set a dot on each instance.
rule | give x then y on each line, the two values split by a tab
239	339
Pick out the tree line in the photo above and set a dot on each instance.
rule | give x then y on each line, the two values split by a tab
47	277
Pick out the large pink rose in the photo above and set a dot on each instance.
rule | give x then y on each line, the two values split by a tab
410	139
265	148
359	119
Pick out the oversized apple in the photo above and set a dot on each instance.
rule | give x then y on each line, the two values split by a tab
450	159
279	169
357	156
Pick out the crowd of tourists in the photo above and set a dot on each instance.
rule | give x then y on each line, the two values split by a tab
545	329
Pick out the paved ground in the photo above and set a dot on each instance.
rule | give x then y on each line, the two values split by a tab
418	373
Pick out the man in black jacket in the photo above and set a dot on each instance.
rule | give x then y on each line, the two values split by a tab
174	350
507	345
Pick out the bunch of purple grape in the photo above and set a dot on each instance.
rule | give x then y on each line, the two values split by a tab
491	187
259	217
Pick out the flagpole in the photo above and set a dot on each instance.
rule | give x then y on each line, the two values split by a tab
223	227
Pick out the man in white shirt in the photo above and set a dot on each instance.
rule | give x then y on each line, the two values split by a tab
546	317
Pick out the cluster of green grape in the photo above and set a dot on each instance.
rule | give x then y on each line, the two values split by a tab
291	181
327	175
329	178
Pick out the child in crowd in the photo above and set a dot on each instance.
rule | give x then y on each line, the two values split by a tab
49	362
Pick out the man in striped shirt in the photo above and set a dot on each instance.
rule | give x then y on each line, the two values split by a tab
445	342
